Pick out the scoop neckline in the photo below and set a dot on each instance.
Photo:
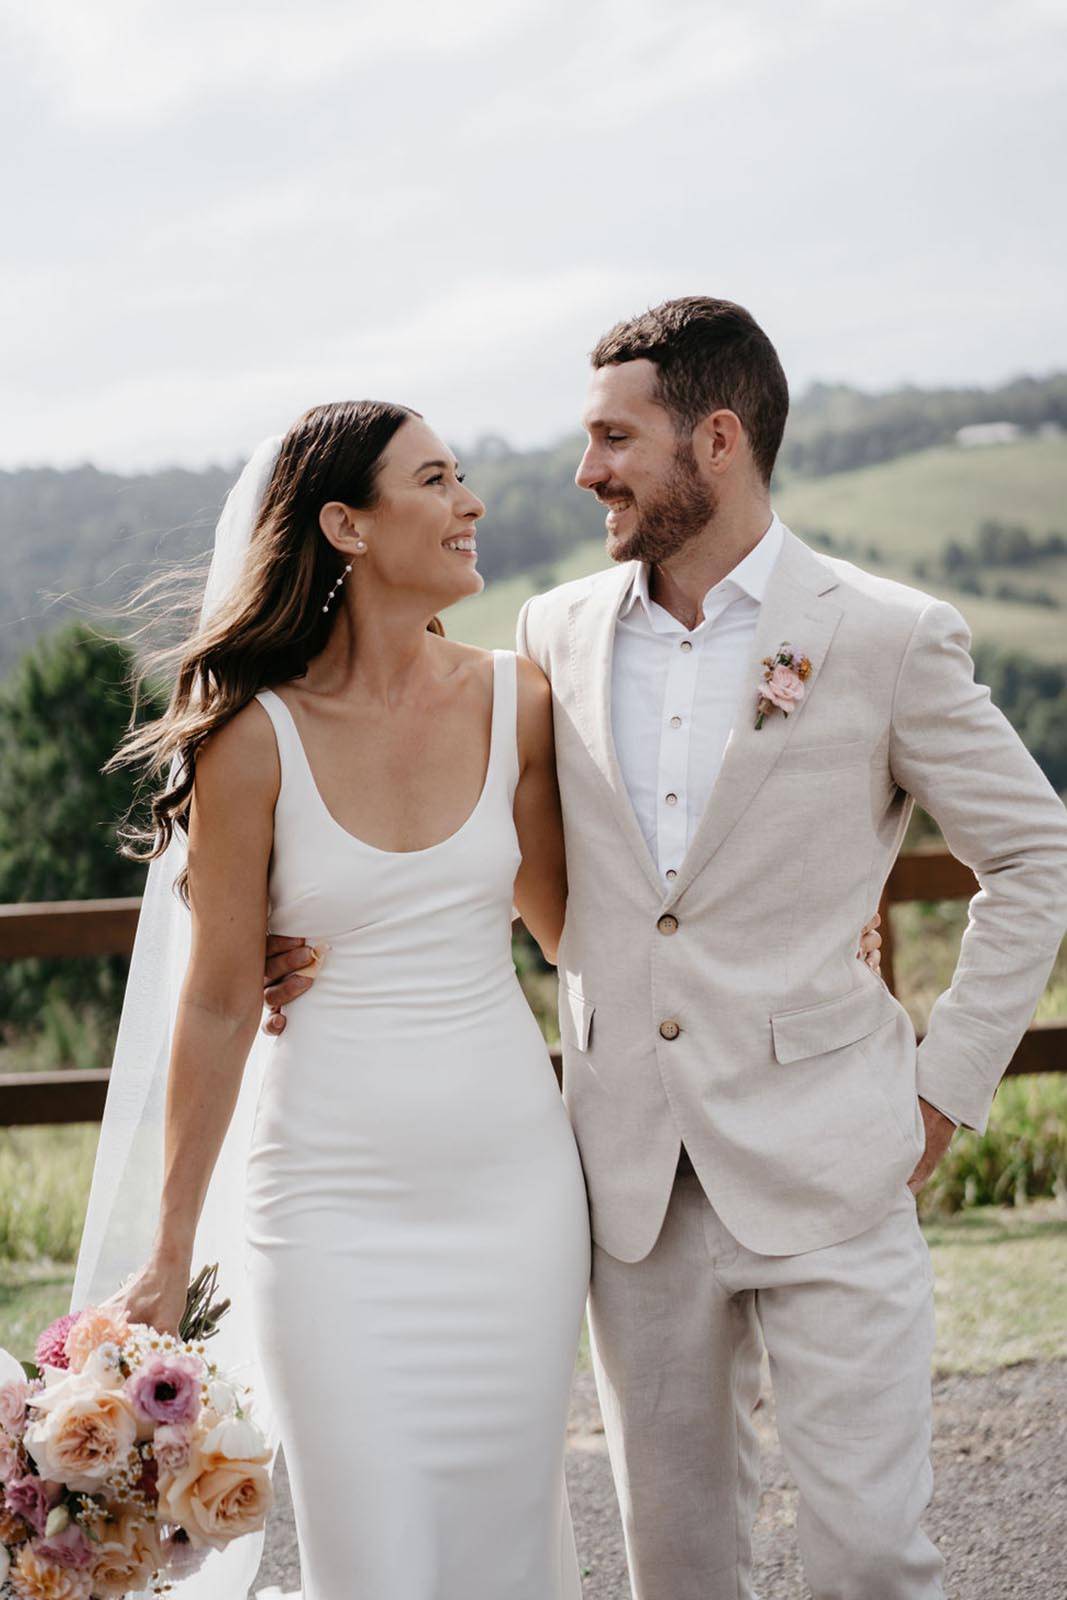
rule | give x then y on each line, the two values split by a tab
365	844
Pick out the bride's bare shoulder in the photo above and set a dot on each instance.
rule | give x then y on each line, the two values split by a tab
239	760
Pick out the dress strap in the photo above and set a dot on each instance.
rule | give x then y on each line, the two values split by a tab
504	749
291	756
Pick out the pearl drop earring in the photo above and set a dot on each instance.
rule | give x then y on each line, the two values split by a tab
337	585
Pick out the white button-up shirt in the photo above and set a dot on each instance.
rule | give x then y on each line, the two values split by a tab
675	693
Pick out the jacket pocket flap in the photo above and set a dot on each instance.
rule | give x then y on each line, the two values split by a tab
816	1030
580	1013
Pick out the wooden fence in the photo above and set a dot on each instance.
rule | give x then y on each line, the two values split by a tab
107	927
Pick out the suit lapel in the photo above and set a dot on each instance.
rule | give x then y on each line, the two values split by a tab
794	609
591	623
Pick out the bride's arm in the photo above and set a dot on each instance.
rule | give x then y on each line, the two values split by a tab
231	830
541	885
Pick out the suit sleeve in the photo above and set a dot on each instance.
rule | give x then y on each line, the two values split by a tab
963	762
523	644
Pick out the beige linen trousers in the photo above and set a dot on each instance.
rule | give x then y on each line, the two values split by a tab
723	1020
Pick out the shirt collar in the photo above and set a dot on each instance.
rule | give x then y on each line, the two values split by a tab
750	576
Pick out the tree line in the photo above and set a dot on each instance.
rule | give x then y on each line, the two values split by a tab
81	541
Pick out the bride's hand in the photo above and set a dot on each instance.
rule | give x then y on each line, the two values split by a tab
290	972
156	1295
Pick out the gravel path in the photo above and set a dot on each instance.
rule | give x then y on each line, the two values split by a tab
999	1512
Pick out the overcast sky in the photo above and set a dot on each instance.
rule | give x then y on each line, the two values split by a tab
217	214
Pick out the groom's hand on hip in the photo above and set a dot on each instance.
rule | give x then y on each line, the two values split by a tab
289	972
939	1131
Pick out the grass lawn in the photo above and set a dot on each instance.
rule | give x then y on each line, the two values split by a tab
1001	1290
30	1298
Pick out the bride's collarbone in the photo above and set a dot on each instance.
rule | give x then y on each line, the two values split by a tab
399	780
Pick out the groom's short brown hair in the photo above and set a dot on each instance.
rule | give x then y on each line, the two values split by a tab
710	354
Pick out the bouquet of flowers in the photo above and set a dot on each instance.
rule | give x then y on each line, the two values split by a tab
125	1456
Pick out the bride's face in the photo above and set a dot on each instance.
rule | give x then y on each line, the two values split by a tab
421	534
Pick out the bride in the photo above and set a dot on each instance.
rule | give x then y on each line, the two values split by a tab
415	1249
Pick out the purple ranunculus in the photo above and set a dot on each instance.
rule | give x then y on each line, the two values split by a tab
32	1498
167	1389
67	1549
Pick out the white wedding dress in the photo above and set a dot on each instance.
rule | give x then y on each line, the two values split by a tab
417	1231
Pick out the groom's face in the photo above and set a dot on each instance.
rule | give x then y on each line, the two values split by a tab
640	468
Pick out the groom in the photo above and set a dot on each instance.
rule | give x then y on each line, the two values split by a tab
742	726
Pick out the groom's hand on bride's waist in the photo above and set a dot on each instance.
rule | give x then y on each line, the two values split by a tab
283	979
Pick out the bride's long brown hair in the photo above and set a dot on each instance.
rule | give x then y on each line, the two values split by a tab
272	624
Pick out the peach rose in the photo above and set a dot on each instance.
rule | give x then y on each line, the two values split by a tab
94	1327
217	1498
81	1434
126	1556
34	1578
784	688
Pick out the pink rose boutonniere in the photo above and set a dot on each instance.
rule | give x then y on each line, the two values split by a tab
783	687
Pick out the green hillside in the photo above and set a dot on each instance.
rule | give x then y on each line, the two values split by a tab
888	518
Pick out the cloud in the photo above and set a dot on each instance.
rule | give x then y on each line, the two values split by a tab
136	61
507	354
227	213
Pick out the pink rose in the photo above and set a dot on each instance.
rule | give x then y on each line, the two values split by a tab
67	1549
13	1405
32	1498
784	688
167	1389
170	1446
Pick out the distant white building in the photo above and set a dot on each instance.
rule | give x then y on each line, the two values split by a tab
977	434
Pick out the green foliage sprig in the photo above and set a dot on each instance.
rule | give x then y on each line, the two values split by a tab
203	1313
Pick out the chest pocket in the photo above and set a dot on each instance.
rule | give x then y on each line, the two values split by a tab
825	757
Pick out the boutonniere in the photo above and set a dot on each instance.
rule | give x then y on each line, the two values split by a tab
784	676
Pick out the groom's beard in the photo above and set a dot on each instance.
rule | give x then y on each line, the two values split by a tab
683	508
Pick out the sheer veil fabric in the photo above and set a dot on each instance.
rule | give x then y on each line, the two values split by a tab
123	1203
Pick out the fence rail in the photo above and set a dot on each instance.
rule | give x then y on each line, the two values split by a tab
65	928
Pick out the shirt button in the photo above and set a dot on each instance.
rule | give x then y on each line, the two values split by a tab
671	799
670	873
669	1030
676	722
686	644
667	924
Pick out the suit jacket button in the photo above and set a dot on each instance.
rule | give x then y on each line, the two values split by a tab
669	1030
667	924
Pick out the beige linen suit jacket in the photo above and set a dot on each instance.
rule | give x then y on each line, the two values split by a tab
727	1009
